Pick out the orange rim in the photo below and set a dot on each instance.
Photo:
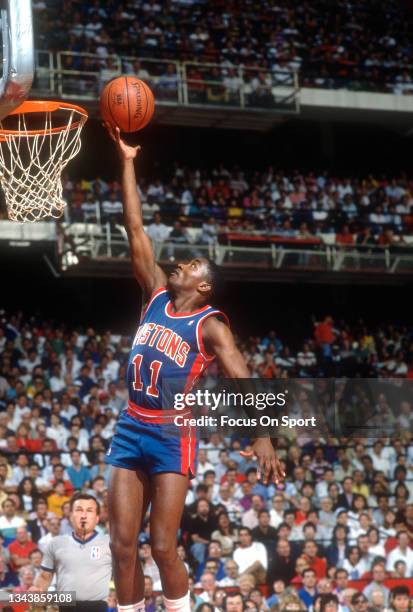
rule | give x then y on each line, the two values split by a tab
43	106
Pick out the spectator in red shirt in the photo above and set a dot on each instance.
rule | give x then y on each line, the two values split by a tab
20	549
325	336
345	237
315	562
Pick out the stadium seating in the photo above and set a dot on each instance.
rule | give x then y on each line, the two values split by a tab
359	46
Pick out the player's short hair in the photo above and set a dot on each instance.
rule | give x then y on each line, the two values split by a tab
86	497
214	277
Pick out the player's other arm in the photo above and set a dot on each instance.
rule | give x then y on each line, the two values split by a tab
147	272
220	342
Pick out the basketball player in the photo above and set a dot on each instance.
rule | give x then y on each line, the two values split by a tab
178	336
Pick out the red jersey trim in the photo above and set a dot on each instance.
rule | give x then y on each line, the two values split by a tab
154	416
183	315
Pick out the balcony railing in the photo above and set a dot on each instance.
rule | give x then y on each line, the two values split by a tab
92	241
81	76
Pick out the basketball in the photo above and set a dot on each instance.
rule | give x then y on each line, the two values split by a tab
128	103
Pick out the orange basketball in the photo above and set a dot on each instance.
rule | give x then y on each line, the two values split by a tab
128	103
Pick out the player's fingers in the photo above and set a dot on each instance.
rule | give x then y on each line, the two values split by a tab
246	453
117	134
274	469
267	469
280	471
260	467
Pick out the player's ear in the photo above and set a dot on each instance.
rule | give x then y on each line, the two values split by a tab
205	288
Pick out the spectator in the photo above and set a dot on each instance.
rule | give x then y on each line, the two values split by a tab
263	532
79	475
157	231
250	518
28	494
53	530
282	566
26	579
325	336
377	584
308	591
251	557
37	525
9	521
231	574
20	549
318	564
201	528
402	552
226	534
56	500
400	599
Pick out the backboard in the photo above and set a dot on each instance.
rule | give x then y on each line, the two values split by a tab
18	54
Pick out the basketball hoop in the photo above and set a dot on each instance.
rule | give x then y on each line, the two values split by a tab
37	141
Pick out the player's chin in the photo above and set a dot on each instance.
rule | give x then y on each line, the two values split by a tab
172	283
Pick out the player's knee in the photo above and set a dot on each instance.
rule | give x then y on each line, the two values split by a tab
164	553
123	549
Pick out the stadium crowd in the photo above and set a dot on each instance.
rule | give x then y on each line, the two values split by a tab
373	211
336	536
357	45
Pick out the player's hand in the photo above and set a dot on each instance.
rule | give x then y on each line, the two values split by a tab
125	151
35	589
268	461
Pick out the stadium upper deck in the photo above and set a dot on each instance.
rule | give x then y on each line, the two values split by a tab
359	45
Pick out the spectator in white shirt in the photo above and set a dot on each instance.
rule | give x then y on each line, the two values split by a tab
380	461
203	464
30	362
277	511
67	410
112	208
112	366
57	432
53	530
158	231
156	190
251	557
56	380
402	552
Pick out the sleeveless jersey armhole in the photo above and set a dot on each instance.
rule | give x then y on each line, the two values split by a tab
199	335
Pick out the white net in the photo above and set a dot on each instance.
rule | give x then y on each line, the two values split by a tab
31	162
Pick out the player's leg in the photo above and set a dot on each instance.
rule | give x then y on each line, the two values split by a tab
128	499
168	493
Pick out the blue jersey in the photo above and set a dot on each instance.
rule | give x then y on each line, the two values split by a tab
168	354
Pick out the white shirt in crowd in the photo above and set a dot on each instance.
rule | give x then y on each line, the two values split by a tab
245	557
398	555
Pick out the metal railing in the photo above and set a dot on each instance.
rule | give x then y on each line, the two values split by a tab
97	242
81	76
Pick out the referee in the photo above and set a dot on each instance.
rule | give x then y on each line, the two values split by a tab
81	561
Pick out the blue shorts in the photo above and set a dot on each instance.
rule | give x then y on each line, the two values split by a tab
153	447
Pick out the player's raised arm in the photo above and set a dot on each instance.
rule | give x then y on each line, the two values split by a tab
220	342
147	272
